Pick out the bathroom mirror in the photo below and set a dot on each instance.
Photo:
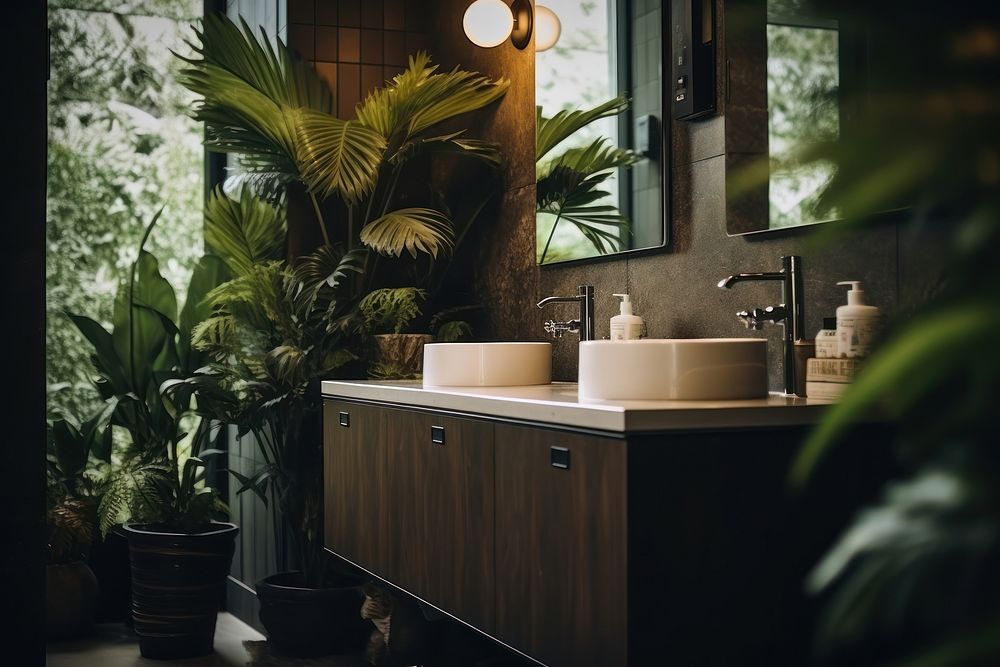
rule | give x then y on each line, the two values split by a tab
812	63
601	188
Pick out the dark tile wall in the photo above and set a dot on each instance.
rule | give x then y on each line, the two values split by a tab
507	277
674	289
355	45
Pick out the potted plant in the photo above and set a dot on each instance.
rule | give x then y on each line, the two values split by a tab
73	492
180	550
282	325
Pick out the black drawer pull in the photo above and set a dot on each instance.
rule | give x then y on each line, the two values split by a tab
345	419
559	457
437	435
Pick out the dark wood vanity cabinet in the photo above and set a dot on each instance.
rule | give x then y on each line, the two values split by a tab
585	550
561	538
409	497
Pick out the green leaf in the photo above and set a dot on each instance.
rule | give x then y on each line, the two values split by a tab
552	131
411	230
339	157
243	232
108	362
139	336
208	273
452	144
69	446
418	98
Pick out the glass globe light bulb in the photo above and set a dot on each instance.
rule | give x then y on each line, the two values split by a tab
547	28
488	23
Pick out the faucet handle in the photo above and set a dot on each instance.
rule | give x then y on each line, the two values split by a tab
752	320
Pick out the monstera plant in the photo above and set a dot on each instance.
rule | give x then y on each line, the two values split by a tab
283	324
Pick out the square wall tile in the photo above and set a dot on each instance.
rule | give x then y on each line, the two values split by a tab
394	48
301	39
326	12
328	72
326	43
350	12
393	16
416	41
348	89
301	11
371	14
349	47
371	78
371	47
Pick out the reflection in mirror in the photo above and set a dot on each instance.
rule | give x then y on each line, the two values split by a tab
801	75
599	149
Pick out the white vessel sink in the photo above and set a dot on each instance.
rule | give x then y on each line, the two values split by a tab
674	369
487	364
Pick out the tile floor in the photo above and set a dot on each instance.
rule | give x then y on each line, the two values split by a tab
114	645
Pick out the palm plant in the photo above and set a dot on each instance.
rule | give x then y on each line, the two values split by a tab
160	478
568	185
278	327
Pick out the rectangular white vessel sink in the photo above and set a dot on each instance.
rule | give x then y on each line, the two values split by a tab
487	364
674	369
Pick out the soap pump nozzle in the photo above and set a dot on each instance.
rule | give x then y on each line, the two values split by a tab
855	295
626	304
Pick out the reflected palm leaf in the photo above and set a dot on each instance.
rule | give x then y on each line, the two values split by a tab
550	132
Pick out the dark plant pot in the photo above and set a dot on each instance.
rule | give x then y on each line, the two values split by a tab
178	580
309	622
70	599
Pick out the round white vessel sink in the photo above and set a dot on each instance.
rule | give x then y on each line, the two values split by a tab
674	369
487	364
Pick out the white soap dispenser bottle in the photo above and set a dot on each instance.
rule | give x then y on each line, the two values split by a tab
856	323
625	325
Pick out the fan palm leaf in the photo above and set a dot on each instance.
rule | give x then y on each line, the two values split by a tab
250	93
409	229
550	132
243	232
419	98
338	156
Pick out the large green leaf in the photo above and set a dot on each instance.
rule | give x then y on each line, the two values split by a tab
338	156
410	230
244	231
208	273
250	93
105	355
139	335
552	131
418	98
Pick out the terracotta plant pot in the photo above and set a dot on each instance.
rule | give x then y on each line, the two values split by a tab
309	622
178	580
70	599
404	352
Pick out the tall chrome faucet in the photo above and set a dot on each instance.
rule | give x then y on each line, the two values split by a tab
790	313
585	325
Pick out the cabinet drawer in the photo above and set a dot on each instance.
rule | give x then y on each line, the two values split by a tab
561	536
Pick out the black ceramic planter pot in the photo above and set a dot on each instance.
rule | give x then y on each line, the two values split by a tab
309	622
178	580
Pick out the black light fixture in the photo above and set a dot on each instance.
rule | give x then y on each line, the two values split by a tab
489	23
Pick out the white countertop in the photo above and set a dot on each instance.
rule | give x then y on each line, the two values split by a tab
559	404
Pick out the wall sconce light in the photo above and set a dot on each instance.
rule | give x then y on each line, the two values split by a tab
547	28
489	23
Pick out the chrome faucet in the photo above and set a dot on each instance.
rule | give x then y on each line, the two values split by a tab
585	325
790	314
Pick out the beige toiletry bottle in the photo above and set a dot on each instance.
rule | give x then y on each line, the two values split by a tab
856	323
625	325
